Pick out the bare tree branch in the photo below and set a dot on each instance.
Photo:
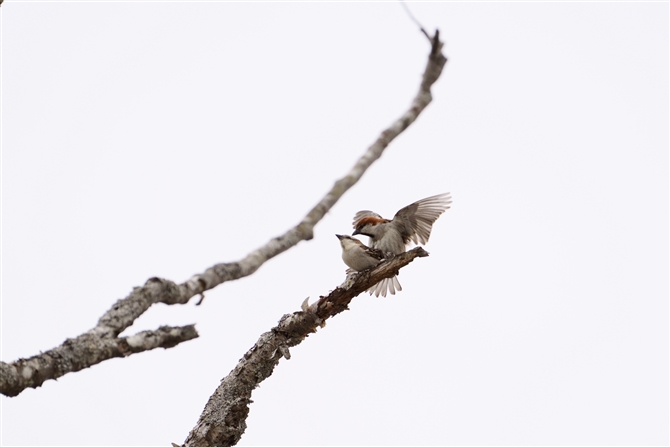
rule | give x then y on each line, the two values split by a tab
84	351
416	22
223	421
304	230
102	342
91	347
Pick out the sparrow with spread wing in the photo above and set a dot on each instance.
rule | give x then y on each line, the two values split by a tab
412	223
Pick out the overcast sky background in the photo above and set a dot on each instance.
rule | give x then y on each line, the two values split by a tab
157	139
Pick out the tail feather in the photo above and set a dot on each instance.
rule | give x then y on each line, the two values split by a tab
390	285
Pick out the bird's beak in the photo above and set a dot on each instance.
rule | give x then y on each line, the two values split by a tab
339	236
355	233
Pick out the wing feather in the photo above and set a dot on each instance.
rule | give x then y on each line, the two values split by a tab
415	221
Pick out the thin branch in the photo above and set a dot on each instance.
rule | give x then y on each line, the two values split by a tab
156	290
223	421
411	16
304	230
82	352
100	343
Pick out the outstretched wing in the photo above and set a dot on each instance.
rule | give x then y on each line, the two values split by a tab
415	221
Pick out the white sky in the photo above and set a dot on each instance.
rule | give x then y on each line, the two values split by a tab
157	139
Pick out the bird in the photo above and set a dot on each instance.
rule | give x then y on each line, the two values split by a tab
412	223
359	257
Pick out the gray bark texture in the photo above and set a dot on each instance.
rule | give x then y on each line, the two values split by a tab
102	342
223	420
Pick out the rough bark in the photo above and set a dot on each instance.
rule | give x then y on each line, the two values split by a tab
82	352
102	342
304	230
92	347
223	420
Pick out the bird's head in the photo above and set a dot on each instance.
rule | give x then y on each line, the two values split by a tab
347	241
368	226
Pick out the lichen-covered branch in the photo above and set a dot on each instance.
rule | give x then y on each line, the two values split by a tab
101	343
82	352
304	230
64	359
223	420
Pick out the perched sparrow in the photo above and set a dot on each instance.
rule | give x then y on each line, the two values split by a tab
359	257
412	223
